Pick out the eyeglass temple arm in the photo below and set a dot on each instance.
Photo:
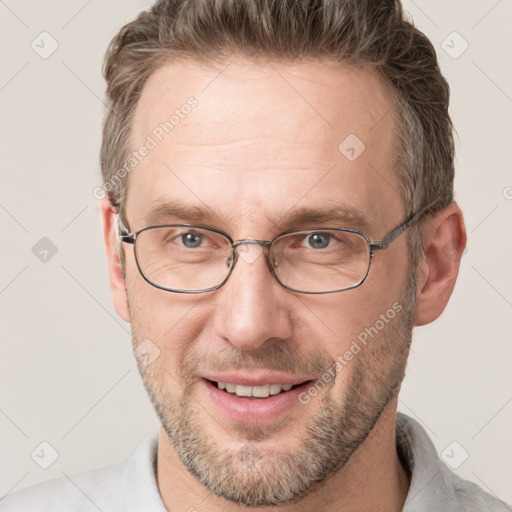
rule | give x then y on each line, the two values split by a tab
386	241
122	232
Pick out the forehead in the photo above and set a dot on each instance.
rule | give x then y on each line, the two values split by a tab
251	141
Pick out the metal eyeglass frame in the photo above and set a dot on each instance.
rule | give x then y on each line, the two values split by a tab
125	236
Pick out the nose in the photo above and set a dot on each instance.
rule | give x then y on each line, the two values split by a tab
252	305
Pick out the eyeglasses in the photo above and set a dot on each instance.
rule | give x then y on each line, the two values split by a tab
184	258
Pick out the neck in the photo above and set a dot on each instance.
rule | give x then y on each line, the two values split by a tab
374	474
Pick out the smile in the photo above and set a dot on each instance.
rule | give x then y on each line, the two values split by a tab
263	391
253	404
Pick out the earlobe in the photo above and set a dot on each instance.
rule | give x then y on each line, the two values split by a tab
117	285
444	239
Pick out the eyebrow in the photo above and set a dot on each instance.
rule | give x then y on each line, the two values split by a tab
179	210
343	215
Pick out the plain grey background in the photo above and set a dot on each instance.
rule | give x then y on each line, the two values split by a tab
67	373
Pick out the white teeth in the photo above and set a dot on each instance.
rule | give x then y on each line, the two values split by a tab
257	391
275	389
243	390
260	391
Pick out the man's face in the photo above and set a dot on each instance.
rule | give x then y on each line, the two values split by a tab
261	145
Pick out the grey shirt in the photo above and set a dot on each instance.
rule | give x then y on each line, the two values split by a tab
131	485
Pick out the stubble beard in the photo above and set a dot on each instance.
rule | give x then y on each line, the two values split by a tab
255	476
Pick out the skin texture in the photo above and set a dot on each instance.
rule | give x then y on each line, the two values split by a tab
261	143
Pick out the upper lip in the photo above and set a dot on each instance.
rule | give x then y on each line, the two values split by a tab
259	380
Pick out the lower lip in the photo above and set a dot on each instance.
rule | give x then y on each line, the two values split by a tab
252	411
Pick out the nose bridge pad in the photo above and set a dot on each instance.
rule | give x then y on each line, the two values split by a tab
232	259
269	260
272	262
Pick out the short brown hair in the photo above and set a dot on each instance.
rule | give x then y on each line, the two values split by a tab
370	33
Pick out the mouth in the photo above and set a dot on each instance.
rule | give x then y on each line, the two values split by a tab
253	405
258	392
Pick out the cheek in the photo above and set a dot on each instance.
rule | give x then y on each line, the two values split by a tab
153	312
338	322
170	322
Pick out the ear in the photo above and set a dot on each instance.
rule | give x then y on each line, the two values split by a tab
117	286
444	239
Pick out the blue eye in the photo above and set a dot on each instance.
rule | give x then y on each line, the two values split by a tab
319	240
192	239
